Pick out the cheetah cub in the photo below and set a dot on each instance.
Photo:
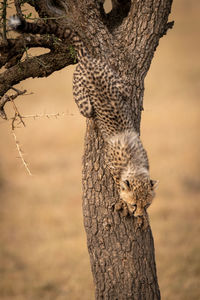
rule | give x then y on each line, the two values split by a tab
100	93
103	95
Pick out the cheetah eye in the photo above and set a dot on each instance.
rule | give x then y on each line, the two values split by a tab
127	183
134	206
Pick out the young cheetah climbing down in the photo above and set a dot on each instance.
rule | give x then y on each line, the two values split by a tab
102	94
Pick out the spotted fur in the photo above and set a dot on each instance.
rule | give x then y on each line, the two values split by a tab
101	94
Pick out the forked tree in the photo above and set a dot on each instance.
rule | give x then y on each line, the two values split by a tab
121	248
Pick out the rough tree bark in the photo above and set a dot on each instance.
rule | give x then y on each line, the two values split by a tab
121	252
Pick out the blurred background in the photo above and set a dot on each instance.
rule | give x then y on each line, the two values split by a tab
43	252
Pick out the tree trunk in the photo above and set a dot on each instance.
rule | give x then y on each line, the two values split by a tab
121	252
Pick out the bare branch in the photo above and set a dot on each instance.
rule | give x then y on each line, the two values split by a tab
17	116
39	66
21	156
44	115
3	101
13	50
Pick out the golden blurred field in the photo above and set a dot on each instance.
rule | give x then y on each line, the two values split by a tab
43	253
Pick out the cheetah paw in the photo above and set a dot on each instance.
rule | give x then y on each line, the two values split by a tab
122	206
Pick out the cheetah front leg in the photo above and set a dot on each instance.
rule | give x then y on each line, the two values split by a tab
125	208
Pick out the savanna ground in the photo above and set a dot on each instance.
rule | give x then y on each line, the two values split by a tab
43	253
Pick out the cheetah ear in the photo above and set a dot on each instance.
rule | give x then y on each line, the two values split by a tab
125	185
154	184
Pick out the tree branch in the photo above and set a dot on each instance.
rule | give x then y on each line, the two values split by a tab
39	66
13	49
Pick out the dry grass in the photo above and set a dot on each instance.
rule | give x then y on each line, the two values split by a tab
43	247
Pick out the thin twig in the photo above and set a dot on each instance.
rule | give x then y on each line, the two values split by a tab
17	116
55	115
3	101
18	8
20	154
37	116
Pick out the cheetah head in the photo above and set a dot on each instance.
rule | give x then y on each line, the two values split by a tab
138	193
